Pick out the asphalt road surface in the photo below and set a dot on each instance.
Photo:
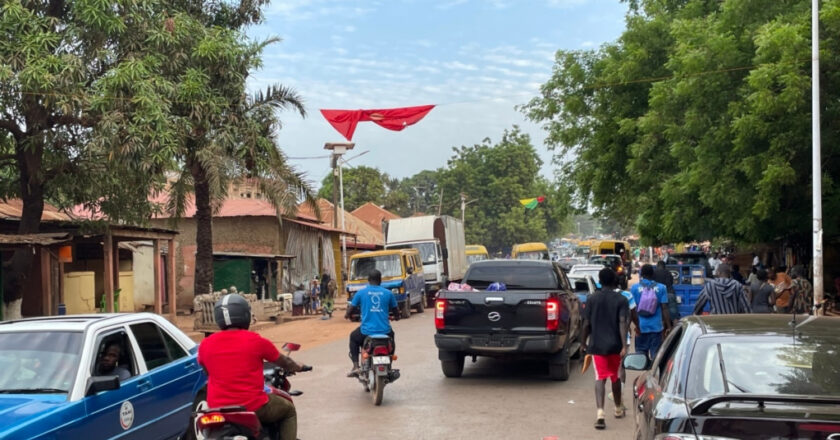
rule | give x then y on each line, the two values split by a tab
493	400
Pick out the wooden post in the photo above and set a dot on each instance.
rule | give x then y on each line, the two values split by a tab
116	262
158	280
108	273
46	282
170	280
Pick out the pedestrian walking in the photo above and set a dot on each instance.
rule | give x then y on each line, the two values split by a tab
663	276
724	295
327	295
783	287
607	319
652	307
298	299
761	294
756	262
314	293
714	262
737	275
803	291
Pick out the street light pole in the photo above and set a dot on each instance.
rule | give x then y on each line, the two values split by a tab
816	170
338	149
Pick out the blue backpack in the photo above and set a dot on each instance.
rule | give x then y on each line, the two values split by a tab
648	301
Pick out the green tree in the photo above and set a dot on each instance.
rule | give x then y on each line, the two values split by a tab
55	55
695	124
494	177
362	184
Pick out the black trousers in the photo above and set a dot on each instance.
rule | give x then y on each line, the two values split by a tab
357	339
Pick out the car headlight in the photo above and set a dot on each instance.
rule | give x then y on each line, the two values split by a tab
395	290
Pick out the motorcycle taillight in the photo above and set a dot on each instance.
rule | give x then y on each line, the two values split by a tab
381	350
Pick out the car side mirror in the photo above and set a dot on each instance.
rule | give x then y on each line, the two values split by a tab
291	346
636	362
102	383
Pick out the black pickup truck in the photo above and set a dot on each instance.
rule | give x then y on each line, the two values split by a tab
538	316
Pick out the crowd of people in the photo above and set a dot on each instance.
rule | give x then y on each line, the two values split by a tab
318	298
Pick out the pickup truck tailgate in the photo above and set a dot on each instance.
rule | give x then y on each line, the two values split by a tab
511	311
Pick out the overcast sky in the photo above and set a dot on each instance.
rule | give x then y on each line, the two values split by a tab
474	59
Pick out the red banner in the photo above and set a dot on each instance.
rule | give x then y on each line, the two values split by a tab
391	118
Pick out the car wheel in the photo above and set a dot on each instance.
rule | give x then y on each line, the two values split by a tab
560	369
406	312
453	368
421	306
199	404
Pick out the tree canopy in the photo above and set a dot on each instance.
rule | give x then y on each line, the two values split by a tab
695	123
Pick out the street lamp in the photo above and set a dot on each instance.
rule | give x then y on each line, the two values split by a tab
464	204
338	149
816	171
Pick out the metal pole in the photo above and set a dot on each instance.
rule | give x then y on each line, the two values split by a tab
463	207
815	151
334	163
343	226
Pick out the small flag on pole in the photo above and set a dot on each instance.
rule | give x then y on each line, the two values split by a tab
532	203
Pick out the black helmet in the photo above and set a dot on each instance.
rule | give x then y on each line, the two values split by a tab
232	310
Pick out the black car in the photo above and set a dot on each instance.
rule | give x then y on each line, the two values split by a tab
741	377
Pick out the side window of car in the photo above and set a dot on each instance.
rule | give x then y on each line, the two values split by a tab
152	345
664	362
114	356
175	350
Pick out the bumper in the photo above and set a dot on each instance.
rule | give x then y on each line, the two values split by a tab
498	344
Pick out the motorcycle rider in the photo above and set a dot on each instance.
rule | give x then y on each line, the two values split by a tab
374	317
233	359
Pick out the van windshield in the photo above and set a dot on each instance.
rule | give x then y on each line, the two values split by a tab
389	265
427	251
532	255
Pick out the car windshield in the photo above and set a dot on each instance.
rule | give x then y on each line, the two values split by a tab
532	255
606	261
473	258
771	365
427	251
521	277
39	362
591	272
389	265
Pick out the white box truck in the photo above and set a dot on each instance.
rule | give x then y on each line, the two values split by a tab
440	240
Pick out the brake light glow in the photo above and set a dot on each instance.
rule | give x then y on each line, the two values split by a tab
212	419
552	314
440	308
381	350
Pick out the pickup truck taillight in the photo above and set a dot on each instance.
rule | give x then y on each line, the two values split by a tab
552	314
440	307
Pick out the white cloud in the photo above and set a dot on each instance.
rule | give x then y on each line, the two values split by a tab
587	44
457	65
349	28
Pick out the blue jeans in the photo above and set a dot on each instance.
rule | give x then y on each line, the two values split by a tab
648	343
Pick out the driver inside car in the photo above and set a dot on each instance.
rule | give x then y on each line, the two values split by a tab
109	358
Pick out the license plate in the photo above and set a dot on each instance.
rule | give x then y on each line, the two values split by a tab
381	360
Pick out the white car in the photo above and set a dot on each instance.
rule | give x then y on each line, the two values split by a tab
586	269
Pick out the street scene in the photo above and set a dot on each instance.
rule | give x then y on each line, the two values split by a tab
495	219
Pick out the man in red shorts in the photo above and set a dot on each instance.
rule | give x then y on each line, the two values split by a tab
606	321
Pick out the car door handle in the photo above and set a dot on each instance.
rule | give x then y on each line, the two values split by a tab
144	384
189	366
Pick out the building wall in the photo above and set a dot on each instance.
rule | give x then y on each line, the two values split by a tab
256	235
144	277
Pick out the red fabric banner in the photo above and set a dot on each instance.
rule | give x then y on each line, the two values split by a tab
391	118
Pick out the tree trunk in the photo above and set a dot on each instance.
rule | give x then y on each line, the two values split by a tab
203	231
29	163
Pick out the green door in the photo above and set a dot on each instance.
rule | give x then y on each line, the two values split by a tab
232	272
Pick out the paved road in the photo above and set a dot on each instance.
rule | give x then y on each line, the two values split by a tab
493	400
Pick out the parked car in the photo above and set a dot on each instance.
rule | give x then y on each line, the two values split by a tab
536	315
615	263
587	269
53	386
741	376
584	286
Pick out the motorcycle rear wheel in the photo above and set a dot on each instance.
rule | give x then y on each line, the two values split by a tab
378	390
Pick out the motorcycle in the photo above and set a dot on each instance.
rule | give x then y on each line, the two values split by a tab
376	369
237	423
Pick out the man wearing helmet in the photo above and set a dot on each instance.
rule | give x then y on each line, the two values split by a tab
373	303
233	359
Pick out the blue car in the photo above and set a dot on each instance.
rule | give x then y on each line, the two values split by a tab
127	376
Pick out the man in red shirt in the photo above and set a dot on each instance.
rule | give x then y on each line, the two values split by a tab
233	359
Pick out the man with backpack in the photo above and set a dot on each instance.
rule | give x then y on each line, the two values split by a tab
652	308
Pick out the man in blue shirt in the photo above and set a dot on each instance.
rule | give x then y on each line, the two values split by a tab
651	328
374	303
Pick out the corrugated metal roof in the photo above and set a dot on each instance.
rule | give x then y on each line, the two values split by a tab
373	215
364	232
231	207
44	239
12	209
